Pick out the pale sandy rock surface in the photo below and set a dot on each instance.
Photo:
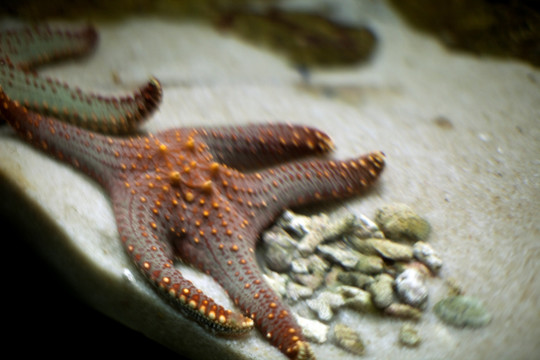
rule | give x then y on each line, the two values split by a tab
462	139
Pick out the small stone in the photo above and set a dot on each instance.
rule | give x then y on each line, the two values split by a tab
325	304
314	235
355	278
462	311
295	224
300	266
408	336
399	266
279	250
411	288
385	248
296	291
369	264
348	339
276	281
424	253
356	299
403	311
323	229
366	228
339	255
399	221
313	330
349	291
308	243
317	265
312	281
339	225
382	291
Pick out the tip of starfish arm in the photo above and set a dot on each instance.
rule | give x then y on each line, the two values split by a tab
233	325
378	156
91	35
154	87
303	351
325	143
152	94
243	324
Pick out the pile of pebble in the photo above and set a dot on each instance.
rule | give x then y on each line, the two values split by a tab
325	263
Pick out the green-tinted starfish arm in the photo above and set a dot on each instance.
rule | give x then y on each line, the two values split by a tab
24	48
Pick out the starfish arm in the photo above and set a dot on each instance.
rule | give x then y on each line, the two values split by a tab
225	250
29	46
143	241
260	144
24	48
245	284
313	180
112	115
95	154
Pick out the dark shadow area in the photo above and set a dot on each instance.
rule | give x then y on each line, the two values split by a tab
44	317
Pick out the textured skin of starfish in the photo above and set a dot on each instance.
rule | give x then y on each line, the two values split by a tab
180	195
24	48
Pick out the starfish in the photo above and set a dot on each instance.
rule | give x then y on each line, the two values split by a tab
24	48
187	194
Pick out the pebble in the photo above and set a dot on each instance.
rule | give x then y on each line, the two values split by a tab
399	221
277	282
339	254
403	311
325	303
279	250
425	253
401	266
369	264
296	224
356	299
318	265
366	228
324	229
411	288
313	281
408	336
300	265
308	243
462	311
313	330
339	225
385	248
382	291
355	278
297	291
348	339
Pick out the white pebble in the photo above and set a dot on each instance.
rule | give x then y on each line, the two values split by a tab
325	304
427	255
411	288
313	330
